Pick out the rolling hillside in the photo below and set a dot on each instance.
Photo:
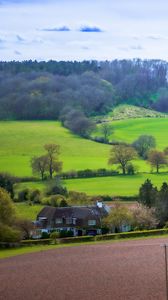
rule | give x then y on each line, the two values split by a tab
129	129
20	141
125	111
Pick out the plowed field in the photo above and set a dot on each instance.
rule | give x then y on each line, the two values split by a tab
131	270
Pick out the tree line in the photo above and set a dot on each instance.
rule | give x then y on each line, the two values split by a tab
48	90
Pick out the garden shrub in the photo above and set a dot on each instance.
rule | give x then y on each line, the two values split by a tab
66	233
45	235
9	234
35	196
56	189
24	195
54	236
36	242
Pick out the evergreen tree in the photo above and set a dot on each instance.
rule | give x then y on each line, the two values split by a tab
7	182
147	194
162	204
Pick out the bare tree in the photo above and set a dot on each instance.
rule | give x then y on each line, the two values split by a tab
39	165
106	130
122	155
53	152
157	159
25	226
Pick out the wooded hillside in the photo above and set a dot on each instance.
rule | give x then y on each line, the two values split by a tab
47	90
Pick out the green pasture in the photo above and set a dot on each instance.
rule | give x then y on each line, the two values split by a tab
21	140
114	185
23	210
128	130
33	185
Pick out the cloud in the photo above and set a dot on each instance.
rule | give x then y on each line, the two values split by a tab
85	48
156	37
62	28
17	52
136	47
20	39
90	29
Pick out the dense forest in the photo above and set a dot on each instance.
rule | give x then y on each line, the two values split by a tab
48	90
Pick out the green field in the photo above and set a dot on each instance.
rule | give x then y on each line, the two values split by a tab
128	130
23	210
20	141
114	186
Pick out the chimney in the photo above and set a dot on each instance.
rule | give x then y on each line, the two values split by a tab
99	204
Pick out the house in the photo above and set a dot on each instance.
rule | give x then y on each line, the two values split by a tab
81	220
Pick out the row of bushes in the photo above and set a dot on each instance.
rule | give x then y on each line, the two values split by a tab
131	234
80	239
36	242
102	140
11	244
88	173
104	237
113	236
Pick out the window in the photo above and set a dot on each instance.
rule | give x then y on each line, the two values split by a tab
58	221
68	220
91	222
74	221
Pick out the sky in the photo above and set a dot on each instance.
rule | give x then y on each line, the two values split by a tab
83	29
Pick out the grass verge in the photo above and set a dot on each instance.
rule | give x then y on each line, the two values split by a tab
5	253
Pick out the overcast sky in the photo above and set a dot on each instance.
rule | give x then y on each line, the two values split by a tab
83	29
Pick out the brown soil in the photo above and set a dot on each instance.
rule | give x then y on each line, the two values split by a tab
118	271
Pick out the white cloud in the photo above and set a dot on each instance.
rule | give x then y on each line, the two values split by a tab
136	47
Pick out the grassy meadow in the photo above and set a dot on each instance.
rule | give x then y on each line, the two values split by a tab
128	130
22	140
114	186
29	212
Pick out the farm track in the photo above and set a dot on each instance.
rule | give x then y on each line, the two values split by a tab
131	270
